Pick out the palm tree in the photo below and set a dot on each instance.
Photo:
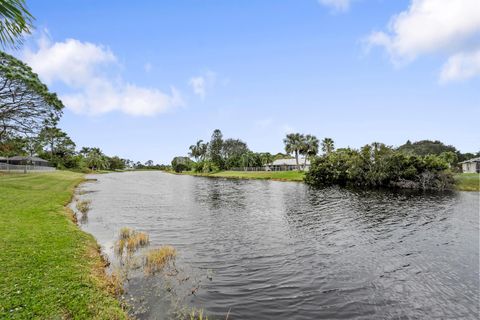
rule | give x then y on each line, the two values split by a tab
294	143
15	20
310	147
198	150
327	146
96	159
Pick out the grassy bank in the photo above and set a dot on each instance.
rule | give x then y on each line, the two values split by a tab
468	181
265	175
50	269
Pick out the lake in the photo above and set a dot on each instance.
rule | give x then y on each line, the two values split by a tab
268	249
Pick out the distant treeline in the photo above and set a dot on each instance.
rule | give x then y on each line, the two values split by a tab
424	164
222	154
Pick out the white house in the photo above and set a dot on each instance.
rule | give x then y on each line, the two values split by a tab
471	166
288	165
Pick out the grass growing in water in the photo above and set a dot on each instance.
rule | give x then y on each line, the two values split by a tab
157	259
50	269
130	240
83	206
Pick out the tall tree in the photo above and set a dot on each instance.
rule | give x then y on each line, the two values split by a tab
310	147
56	140
215	148
15	20
294	143
327	145
26	105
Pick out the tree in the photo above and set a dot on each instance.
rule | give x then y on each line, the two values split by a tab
327	145
116	163
198	150
266	158
294	143
215	148
56	140
310	147
15	20
149	163
426	147
96	160
232	151
180	164
60	148
26	105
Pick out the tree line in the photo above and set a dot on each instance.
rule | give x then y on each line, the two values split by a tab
226	154
424	164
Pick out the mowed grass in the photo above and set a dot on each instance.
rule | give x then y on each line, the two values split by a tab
468	181
49	268
270	175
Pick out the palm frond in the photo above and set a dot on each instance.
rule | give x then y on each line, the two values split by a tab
15	21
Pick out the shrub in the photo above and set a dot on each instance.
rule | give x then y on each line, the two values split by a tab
377	165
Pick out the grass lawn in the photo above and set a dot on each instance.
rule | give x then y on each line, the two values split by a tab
468	181
49	268
271	175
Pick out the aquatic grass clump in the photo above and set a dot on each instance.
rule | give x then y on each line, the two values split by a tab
125	233
83	206
137	240
130	240
157	259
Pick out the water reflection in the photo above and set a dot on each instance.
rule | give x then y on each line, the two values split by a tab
288	251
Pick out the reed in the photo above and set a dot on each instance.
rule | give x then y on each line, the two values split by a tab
157	259
130	240
83	206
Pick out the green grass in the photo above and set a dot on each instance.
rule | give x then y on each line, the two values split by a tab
266	175
49	268
468	181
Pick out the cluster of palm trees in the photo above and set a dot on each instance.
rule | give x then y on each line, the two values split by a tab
199	150
306	145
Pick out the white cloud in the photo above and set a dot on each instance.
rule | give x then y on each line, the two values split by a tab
198	85
431	27
201	84
85	69
461	66
336	5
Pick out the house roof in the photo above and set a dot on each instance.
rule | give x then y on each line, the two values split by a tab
471	160
22	158
289	162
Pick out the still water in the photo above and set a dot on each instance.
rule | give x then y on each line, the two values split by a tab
281	250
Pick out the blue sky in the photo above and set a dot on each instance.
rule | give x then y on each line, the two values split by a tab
145	80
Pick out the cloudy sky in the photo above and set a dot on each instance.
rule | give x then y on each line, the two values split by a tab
145	80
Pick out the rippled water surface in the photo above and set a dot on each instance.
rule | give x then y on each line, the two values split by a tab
281	250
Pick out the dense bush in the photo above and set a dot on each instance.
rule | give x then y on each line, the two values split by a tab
377	165
205	166
180	164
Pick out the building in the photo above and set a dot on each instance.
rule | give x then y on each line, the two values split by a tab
288	165
33	161
471	166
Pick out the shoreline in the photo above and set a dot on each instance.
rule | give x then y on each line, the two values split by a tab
283	176
463	181
53	269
